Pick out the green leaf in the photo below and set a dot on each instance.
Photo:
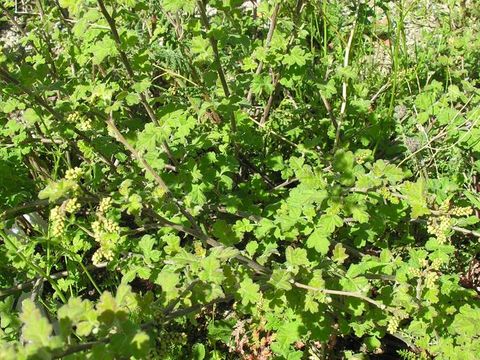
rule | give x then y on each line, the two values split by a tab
262	83
168	280
149	138
297	56
286	335
280	279
103	48
329	222
339	254
343	164
224	253
393	173
212	272
360	214
72	5
173	244
224	232
319	241
30	116
198	351
296	257
415	198
372	343
249	292
56	190
36	328
220	330
176	5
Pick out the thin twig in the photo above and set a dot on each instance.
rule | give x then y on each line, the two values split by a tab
213	44
175	301
329	109
36	205
271	29
379	92
218	63
29	284
341	293
286	183
128	67
442	133
9	79
346	59
266	110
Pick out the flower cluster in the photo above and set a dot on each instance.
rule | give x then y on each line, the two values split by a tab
57	221
81	122
111	226
74	117
444	206
73	174
199	249
456	210
439	227
415	272
393	324
362	155
105	205
102	253
461	211
430	279
436	263
84	124
168	339
387	195
71	205
10	39
106	233
429	272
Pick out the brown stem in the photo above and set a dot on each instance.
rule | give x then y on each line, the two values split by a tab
346	59
276	78
218	63
51	63
266	110
271	29
29	284
8	78
213	43
342	293
131	75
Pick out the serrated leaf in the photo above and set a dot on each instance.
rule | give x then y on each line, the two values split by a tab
30	116
415	197
339	254
285	336
343	164
319	241
359	214
297	56
249	292
224	253
56	190
280	279
296	257
198	351
168	280
212	272
36	328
